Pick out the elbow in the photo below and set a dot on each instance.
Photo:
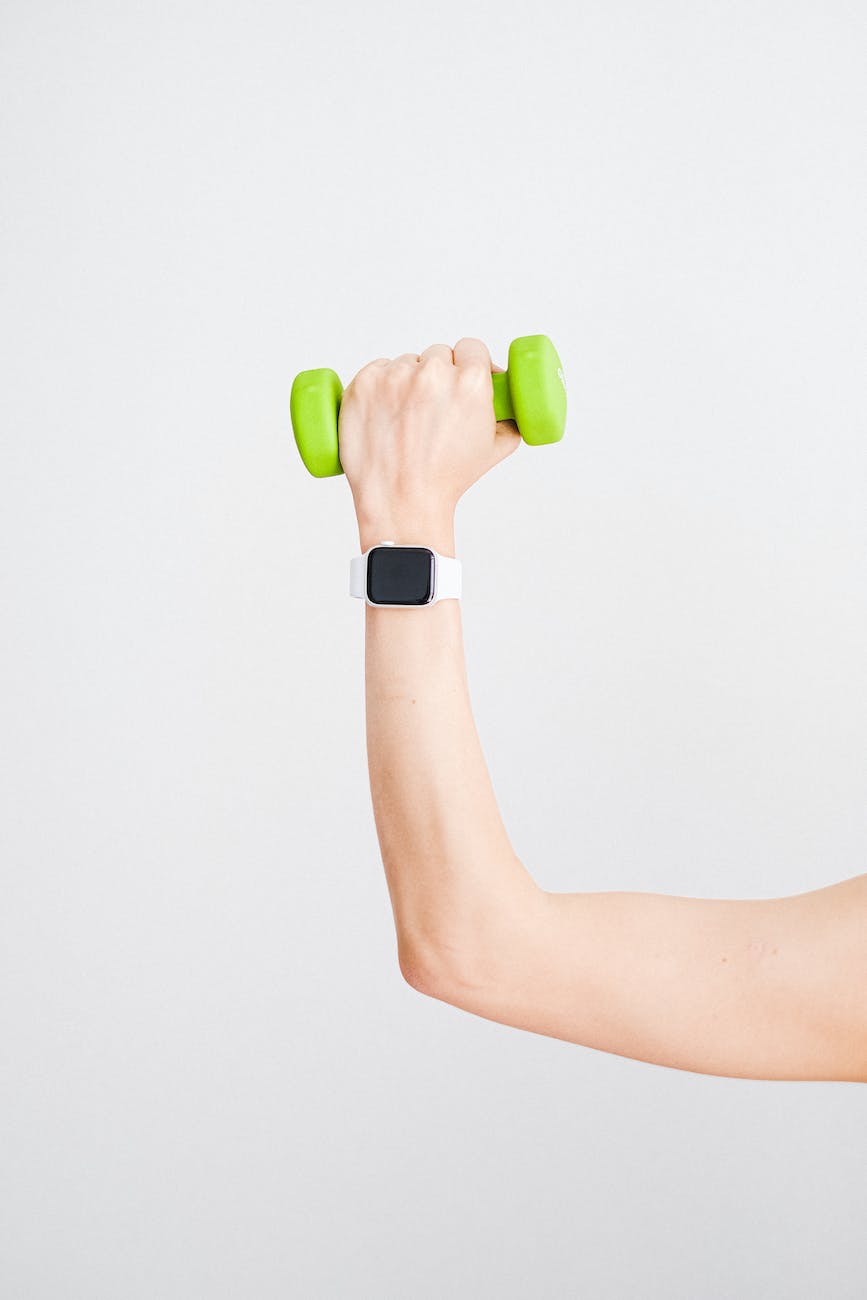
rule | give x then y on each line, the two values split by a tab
460	963
476	961
437	971
419	972
471	949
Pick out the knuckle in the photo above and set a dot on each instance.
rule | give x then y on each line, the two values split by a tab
368	375
474	377
394	374
431	374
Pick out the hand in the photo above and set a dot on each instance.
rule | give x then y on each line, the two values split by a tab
415	432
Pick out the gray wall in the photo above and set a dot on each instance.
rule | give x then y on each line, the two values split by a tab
214	1083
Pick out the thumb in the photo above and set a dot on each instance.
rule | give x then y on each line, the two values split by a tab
506	440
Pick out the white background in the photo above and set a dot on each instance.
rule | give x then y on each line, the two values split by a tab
214	1083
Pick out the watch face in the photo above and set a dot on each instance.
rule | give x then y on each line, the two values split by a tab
400	575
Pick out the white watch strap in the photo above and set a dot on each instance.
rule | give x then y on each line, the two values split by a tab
447	575
358	575
448	578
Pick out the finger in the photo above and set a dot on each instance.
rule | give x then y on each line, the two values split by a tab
472	353
407	358
437	352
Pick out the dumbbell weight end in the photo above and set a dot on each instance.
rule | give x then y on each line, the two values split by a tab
314	405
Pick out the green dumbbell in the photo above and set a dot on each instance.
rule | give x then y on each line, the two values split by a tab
532	392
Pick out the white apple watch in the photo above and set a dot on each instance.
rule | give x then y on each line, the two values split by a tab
398	577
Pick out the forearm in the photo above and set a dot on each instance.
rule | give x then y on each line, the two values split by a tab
454	880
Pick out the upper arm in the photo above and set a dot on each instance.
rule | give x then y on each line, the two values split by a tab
771	988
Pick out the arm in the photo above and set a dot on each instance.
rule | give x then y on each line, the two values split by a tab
770	988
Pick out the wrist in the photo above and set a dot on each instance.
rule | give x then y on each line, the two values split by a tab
435	529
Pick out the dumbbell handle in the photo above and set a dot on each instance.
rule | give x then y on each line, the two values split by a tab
503	409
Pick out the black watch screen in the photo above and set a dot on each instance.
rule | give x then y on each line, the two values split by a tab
400	575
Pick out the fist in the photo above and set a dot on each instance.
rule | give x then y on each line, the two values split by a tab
415	432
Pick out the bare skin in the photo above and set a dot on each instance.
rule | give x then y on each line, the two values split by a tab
771	989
